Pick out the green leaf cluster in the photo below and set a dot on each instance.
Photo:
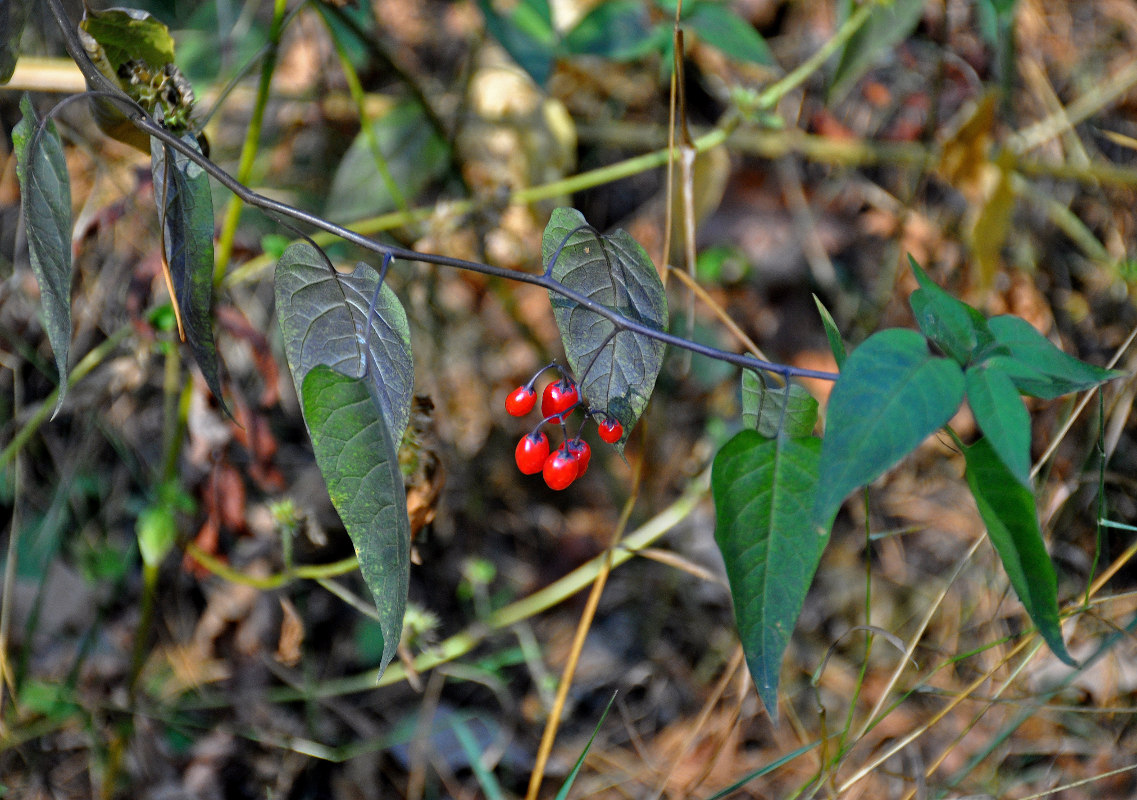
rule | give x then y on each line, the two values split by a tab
777	490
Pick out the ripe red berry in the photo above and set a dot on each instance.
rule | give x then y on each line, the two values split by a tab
611	431
560	469
531	452
559	397
582	453
521	401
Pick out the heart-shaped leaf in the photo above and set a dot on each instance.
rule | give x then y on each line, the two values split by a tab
1037	367
45	189
356	455
324	318
615	367
769	410
1007	508
185	209
764	492
891	395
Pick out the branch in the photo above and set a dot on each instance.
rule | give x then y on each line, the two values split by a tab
276	209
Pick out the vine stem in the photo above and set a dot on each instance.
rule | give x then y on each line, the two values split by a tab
252	139
277	209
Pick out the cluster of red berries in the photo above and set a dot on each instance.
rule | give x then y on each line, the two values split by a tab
569	461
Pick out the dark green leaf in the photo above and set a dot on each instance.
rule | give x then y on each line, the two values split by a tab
185	208
618	30
771	409
412	153
526	34
356	455
958	329
45	189
887	26
764	491
616	369
1008	510
128	34
1001	415
892	394
13	15
1036	366
323	317
720	27
831	333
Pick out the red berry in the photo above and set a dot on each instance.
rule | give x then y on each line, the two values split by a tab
521	401
611	431
582	453
531	452
559	397
560	469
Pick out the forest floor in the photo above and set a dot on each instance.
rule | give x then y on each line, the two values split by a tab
1017	192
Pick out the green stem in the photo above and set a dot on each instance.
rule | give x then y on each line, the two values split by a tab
251	143
464	642
268	582
42	413
366	128
142	632
775	92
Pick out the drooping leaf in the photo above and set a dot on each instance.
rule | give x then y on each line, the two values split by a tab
769	410
720	27
764	491
616	369
323	316
957	328
892	394
888	25
618	29
413	155
1001	415
836	344
1036	366
185	209
356	455
13	16
526	34
1008	510
45	191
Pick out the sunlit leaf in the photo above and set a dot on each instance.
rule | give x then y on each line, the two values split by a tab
1036	366
616	369
789	409
129	34
356	455
185	208
323	316
764	492
892	394
1001	415
1008	510
45	191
